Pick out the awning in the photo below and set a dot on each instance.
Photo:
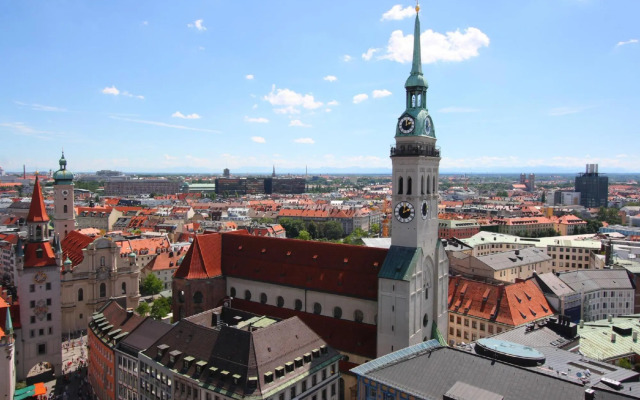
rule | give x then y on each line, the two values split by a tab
33	390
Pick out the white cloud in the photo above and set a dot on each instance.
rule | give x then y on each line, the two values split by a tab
330	78
258	120
111	90
197	24
258	139
165	125
359	98
297	122
560	111
21	128
347	58
304	140
630	41
145	23
40	107
397	13
115	92
249	77
367	56
333	103
178	114
327	110
458	110
168	157
290	100
381	93
452	46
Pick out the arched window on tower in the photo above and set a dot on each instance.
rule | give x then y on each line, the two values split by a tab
65	208
103	290
124	288
400	182
102	261
413	100
419	100
80	294
428	185
435	190
422	184
38	232
409	185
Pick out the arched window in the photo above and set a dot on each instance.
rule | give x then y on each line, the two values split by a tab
298	305
413	100
317	308
419	100
409	185
102	261
80	294
247	295
232	292
197	297
280	301
38	232
263	298
422	184
358	316
400	182
124	288
425	320
428	185
65	209
181	296
435	190
103	290
337	312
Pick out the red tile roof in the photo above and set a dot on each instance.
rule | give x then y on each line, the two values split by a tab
361	338
31	259
72	246
327	267
203	260
513	305
37	210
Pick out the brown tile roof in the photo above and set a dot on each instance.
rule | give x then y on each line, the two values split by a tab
120	318
203	260
72	246
31	258
327	267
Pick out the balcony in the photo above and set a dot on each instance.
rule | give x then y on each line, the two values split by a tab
415	150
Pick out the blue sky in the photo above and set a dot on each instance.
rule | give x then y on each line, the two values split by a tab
204	85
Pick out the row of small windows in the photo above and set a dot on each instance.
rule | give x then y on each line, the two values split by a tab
103	291
358	315
429	185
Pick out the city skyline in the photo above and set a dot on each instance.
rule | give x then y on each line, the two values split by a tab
202	87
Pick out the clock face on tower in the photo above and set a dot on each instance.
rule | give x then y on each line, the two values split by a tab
424	209
404	211
65	192
406	124
427	125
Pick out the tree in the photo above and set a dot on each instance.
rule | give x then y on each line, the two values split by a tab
150	285
160	308
143	308
313	230
502	193
333	230
304	235
375	229
610	215
292	226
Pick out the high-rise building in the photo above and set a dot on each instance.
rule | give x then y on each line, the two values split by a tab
593	187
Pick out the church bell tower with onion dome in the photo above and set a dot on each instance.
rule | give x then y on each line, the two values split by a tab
63	217
413	282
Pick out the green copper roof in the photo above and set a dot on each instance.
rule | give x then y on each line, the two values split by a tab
62	176
400	263
416	78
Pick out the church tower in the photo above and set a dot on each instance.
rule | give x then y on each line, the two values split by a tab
412	284
63	217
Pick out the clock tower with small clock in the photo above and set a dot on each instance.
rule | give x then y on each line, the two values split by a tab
63	217
413	283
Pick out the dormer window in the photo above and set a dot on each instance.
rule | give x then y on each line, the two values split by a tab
316	353
268	377
161	350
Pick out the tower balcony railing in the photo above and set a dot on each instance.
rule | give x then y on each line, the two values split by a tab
415	150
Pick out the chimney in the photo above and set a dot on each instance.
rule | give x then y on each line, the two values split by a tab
610	318
613	338
517	252
589	394
635	336
581	323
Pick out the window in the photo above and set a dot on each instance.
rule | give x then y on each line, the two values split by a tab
317	308
298	304
466	322
451	318
32	319
103	290
48	286
314	380
337	312
32	333
358	316
42	349
425	320
304	386
48	302
102	261
247	295
48	316
124	288
32	288
482	326
451	330
263	298
474	324
458	320
409	185
400	182
80	294
232	292
280	301
32	304
197	297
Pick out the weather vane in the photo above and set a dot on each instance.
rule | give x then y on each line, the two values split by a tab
417	6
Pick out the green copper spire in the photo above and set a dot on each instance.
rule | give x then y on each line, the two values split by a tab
8	323
416	78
